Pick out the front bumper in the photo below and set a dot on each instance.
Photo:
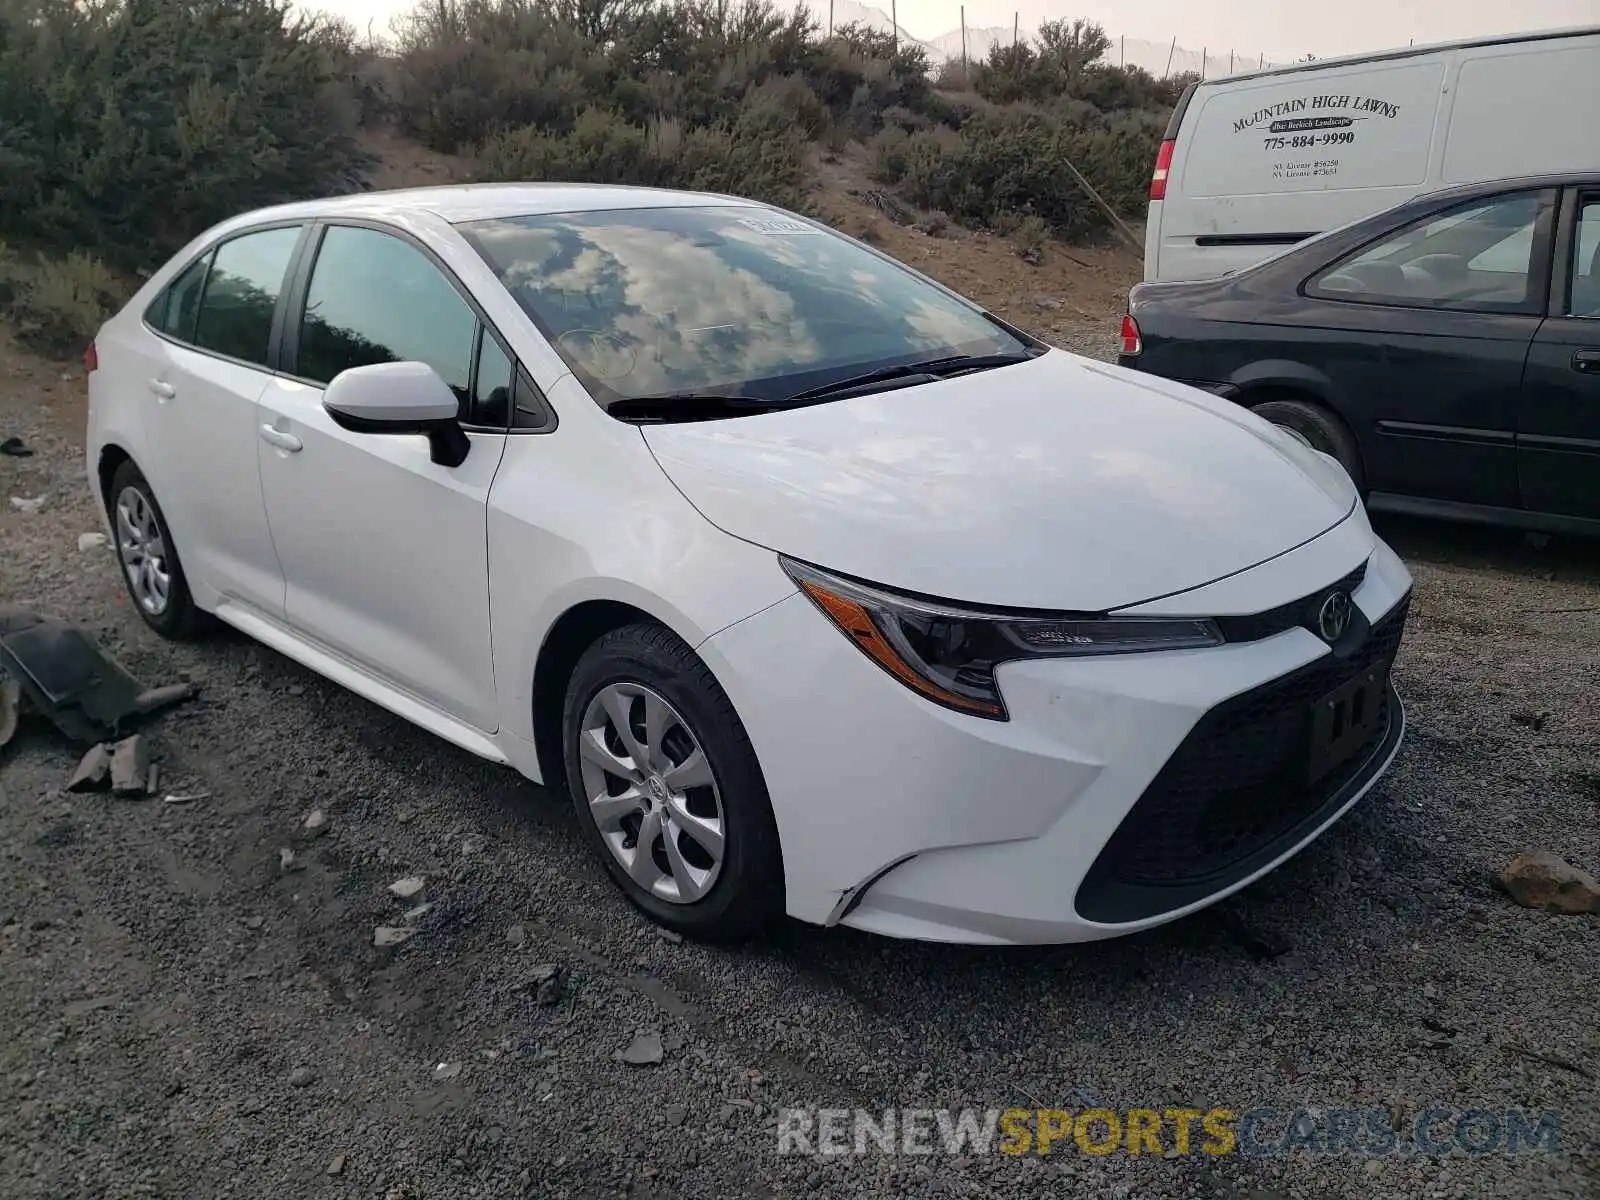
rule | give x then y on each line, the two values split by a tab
1102	807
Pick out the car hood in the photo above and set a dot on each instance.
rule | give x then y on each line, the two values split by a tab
1060	483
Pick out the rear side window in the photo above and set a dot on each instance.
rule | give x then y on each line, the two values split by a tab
1586	262
376	298
1477	258
173	312
241	294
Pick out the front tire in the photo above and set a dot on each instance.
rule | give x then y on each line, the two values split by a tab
667	788
149	558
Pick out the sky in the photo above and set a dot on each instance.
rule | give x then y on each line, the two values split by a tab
1280	29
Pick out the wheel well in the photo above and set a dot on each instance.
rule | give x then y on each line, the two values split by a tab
574	632
111	458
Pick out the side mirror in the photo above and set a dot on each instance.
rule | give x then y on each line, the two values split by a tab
400	397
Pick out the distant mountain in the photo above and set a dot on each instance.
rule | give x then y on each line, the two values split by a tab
1159	58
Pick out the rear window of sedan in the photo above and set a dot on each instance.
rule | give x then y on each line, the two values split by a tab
730	299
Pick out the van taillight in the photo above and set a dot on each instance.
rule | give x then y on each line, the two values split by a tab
91	358
1158	180
1131	344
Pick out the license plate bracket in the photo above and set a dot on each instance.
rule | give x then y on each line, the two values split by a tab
1343	720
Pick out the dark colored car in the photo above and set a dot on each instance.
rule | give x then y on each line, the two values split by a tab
1446	351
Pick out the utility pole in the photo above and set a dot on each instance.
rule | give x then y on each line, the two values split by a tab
966	67
830	18
1170	53
1204	50
1016	21
1230	62
1122	54
894	20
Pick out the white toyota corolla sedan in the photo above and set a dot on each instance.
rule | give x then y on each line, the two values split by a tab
821	589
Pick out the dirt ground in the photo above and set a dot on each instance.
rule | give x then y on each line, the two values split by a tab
180	1016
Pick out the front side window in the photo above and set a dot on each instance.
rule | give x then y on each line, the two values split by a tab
376	298
241	294
1586	262
1475	258
646	302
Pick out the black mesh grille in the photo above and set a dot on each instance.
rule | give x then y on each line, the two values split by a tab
1236	790
1300	613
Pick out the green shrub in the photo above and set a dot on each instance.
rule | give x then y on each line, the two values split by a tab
59	303
131	125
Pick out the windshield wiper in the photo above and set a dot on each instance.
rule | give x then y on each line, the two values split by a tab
934	368
692	406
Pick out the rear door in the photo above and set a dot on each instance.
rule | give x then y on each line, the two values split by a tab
1267	161
1558	423
206	368
1450	304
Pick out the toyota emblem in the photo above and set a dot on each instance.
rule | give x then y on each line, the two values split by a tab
1333	618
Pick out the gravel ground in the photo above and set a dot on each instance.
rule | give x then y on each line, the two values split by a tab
181	1017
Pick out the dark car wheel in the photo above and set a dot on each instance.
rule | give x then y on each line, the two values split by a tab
667	787
149	557
1320	429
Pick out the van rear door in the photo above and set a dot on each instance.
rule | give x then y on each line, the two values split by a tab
1266	161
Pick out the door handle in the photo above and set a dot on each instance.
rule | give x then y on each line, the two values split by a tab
1587	361
282	440
160	389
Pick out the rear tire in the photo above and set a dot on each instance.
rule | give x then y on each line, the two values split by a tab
699	788
151	570
1321	429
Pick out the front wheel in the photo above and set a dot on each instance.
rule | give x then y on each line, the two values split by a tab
667	787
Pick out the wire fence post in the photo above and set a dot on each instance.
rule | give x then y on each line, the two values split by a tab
1230	62
1204	50
1122	54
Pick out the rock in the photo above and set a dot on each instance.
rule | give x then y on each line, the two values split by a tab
1048	303
674	1114
287	861
390	935
93	773
417	913
669	935
446	1071
644	1051
302	1077
91	541
15	447
152	780
315	824
1539	879
27	503
336	1166
516	935
551	982
407	887
254	922
130	766
296	689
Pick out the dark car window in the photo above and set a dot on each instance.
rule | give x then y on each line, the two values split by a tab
640	302
376	298
491	390
241	292
1475	258
1586	262
173	312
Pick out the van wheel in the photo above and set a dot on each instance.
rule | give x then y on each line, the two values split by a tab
1320	429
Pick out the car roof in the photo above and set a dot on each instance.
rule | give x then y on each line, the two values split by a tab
482	201
1508	183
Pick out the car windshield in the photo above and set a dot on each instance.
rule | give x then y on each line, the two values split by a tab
730	300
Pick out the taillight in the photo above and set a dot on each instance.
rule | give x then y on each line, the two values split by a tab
91	358
1158	180
1131	345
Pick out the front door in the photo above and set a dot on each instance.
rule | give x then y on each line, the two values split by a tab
1450	305
384	552
1558	424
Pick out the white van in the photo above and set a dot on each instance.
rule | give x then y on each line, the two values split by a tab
1256	162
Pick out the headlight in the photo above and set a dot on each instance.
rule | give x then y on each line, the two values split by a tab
949	654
